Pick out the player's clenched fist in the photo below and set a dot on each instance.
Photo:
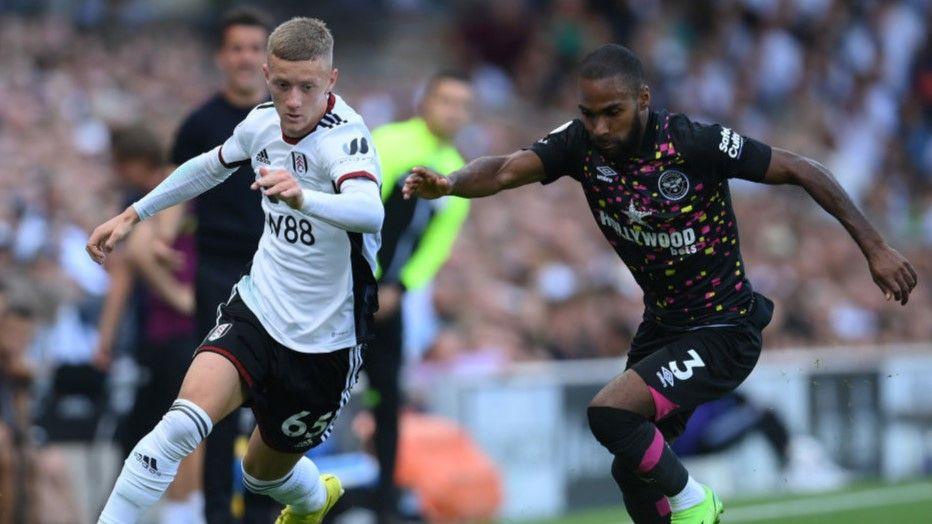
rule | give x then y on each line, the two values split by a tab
279	183
424	183
106	236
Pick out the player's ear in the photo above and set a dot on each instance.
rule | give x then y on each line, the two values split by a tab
334	74
643	97
265	71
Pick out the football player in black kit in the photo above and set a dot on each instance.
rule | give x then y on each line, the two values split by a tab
657	184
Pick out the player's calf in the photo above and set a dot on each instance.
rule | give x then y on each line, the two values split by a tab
153	463
643	501
639	447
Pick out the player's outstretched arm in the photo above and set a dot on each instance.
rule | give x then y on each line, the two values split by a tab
105	236
357	207
892	273
482	177
187	181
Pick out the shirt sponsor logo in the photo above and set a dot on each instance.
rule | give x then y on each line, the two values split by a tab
636	216
731	143
673	185
679	242
356	145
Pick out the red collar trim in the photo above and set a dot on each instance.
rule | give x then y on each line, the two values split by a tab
331	101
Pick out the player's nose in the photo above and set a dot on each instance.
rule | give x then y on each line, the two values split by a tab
601	128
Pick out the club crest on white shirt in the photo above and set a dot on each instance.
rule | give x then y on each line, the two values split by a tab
298	162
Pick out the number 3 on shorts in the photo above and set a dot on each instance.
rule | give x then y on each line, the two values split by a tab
294	427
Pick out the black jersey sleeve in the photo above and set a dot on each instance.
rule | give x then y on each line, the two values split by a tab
719	150
561	151
188	141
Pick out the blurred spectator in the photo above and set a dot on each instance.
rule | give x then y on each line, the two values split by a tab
17	448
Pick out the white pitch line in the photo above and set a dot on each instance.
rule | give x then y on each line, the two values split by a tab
829	504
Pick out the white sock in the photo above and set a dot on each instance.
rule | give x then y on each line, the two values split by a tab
153	463
692	495
175	512
196	503
301	489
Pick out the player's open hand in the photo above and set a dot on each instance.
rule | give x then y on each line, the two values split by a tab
106	236
892	273
424	183
280	184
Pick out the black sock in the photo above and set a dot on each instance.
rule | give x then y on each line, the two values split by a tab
638	447
644	502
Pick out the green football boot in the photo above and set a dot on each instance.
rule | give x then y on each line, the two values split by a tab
709	511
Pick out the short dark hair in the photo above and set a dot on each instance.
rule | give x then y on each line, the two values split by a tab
247	16
612	60
137	143
446	74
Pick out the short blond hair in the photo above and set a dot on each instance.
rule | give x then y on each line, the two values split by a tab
301	38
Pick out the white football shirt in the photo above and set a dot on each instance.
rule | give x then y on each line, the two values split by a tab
311	283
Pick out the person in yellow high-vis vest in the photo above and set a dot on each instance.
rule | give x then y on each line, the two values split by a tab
417	236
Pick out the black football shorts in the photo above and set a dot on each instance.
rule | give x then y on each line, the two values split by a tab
295	396
686	368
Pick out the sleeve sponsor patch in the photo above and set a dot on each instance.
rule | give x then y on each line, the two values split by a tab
731	143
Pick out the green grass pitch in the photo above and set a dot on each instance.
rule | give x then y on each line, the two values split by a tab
909	503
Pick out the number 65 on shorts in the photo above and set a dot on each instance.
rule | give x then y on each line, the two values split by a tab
295	396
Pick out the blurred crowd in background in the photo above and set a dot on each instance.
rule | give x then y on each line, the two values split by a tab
846	83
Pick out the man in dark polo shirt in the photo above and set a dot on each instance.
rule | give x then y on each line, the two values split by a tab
229	224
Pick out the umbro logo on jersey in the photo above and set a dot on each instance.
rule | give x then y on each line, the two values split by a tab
218	332
299	162
149	463
606	174
356	145
263	158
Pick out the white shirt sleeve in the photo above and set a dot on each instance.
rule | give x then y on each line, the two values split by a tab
235	152
357	207
187	181
348	153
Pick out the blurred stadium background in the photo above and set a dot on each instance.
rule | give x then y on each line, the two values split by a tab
533	312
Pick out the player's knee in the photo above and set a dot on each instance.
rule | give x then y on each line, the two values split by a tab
613	428
626	392
183	427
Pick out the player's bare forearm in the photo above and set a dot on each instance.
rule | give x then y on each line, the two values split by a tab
478	178
890	270
790	168
488	175
483	176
